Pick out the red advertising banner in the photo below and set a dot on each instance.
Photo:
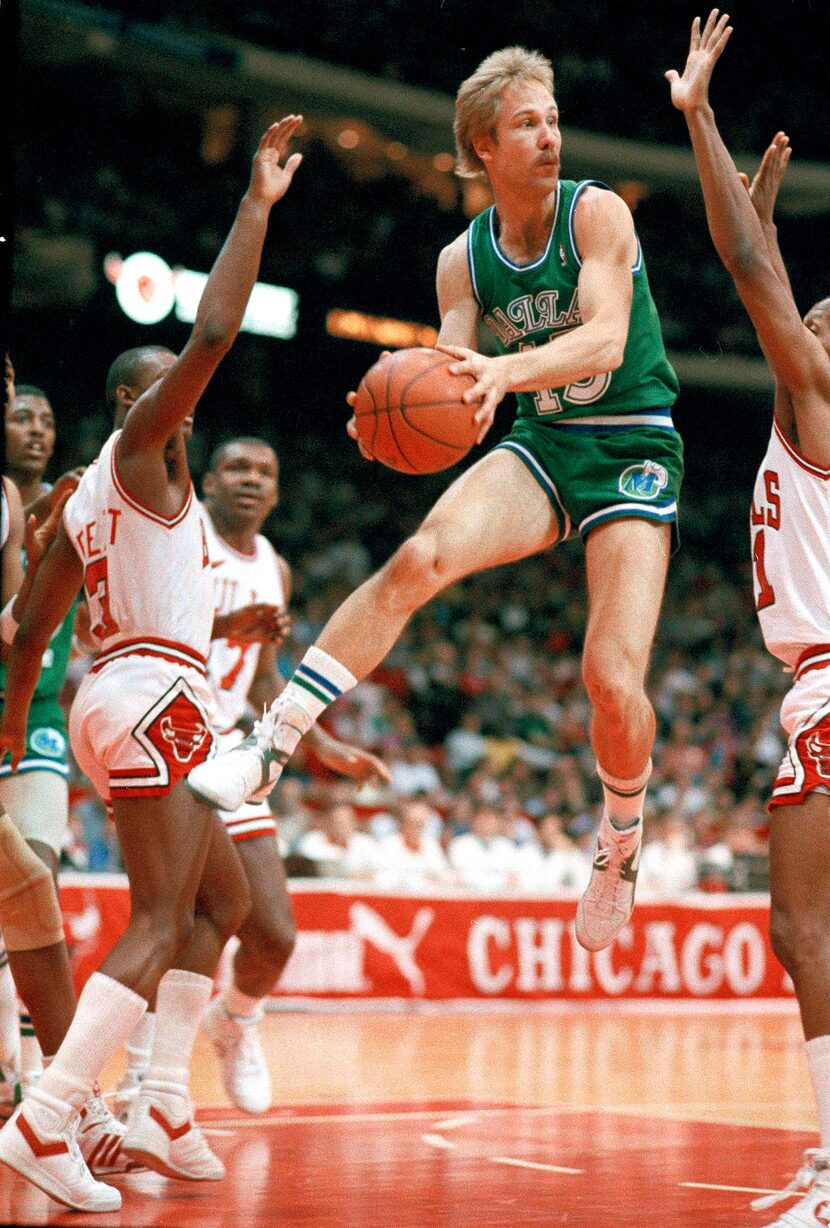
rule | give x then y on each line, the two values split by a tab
365	945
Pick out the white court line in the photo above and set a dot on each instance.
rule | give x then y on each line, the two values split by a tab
455	1123
545	1168
730	1189
216	1130
438	1140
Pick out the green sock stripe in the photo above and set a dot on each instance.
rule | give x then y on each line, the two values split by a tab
324	699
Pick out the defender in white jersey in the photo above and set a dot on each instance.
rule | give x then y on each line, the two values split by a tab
241	490
791	554
133	537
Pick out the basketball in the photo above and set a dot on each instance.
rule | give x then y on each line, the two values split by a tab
409	411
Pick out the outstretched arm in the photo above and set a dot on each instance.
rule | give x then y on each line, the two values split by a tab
160	411
797	359
763	192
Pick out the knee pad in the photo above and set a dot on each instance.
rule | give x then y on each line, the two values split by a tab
30	915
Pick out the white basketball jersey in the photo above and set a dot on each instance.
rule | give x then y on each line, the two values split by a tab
238	580
147	577
790	527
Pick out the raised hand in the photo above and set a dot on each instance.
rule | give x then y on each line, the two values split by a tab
348	760
38	538
763	191
270	179
259	623
691	91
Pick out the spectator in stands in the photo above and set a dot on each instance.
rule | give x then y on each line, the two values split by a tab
554	864
484	858
336	847
668	865
412	859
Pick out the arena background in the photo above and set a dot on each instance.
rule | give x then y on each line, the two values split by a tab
132	128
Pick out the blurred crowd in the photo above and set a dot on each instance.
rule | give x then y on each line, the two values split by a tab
481	715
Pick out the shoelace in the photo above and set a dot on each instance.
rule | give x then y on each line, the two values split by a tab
266	726
801	1182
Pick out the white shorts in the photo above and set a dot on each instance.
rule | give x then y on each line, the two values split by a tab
139	723
805	715
252	819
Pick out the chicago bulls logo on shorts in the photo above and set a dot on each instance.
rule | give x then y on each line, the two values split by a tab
170	738
806	765
180	729
821	1212
817	746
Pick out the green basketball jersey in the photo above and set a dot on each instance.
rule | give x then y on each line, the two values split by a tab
55	661
526	305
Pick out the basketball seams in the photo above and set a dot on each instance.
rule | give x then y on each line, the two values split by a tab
401	428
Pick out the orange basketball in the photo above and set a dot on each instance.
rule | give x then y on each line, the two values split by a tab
410	414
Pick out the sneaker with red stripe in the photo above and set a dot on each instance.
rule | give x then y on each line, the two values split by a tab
162	1134
100	1136
39	1142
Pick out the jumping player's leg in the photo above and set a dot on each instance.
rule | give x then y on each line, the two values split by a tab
266	940
626	564
494	513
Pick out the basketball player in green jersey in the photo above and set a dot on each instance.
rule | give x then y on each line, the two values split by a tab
556	270
37	795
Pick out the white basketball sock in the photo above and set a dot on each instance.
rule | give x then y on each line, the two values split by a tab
623	798
140	1045
107	1012
180	1003
316	682
31	1057
236	1002
818	1063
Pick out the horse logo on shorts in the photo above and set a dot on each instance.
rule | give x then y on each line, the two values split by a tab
817	746
643	481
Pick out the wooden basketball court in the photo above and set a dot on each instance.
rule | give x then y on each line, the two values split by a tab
458	1119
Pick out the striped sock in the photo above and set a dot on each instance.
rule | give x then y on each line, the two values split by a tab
316	682
624	798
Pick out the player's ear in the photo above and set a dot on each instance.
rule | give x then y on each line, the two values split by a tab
208	484
483	146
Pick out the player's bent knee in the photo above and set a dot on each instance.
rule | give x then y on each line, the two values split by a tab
799	939
273	942
30	915
612	686
416	570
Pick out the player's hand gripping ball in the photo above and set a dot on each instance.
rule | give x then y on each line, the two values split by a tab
410	414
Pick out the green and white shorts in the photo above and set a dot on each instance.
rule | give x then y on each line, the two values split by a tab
595	471
46	741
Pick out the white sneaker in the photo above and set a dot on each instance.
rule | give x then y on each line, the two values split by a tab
247	772
125	1094
38	1142
814	1208
100	1136
163	1135
608	901
245	1074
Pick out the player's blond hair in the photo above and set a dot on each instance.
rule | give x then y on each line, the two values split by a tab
478	98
